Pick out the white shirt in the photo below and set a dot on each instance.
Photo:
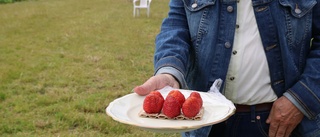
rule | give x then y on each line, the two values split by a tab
248	80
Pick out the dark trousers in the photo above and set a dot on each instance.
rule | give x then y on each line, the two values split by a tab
245	124
251	124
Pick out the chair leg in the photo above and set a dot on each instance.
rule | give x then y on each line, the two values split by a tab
134	12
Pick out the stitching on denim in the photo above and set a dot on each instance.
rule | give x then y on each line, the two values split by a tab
290	37
289	28
201	27
310	91
201	5
315	134
292	8
301	103
200	33
261	129
168	64
308	22
289	16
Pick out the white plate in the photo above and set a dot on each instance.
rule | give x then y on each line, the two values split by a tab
126	109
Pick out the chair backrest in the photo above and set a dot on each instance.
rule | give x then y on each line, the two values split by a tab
144	3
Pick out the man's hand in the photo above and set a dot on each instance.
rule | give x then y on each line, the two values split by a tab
283	118
155	83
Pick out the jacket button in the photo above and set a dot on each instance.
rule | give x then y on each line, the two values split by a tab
229	8
298	11
194	5
227	45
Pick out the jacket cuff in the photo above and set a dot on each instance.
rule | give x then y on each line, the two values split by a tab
295	102
306	98
175	73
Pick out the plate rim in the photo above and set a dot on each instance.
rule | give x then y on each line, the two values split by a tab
184	128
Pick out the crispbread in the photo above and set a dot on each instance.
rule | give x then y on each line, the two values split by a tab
143	114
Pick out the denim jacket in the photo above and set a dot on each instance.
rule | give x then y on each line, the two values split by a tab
195	45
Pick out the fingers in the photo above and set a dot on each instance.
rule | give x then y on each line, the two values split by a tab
283	118
269	119
141	90
273	129
148	86
273	124
279	130
289	131
155	83
276	128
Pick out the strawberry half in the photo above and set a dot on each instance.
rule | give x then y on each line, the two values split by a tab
178	95
198	96
191	107
171	107
157	93
152	104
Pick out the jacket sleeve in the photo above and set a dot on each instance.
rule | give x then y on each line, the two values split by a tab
176	74
305	94
173	41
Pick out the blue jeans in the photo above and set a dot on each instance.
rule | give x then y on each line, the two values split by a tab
247	124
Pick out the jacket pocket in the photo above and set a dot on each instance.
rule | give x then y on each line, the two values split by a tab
298	8
196	5
197	12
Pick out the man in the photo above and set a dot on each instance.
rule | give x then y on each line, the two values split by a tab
267	52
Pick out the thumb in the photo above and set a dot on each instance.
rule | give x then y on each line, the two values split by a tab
155	83
268	121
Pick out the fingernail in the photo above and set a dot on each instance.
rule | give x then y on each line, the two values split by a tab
268	121
133	90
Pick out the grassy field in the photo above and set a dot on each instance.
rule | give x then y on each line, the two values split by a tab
63	61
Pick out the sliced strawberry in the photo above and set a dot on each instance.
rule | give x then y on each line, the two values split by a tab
171	107
191	107
152	104
178	95
157	93
198	96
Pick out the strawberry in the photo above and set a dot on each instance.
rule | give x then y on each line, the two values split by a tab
171	107
178	95
197	95
191	107
157	93
152	104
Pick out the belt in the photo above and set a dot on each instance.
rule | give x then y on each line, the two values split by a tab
258	107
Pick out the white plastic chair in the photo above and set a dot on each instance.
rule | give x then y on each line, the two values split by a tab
144	4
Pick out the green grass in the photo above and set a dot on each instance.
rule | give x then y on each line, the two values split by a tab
63	61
